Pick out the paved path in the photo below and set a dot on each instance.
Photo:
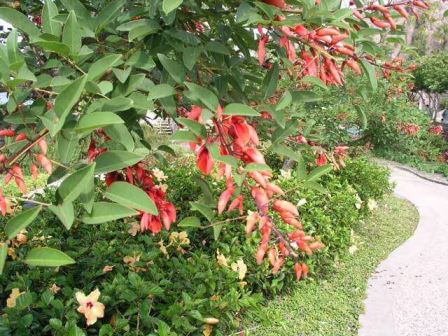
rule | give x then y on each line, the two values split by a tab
408	293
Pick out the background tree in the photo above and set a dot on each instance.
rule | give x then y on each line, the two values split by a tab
81	75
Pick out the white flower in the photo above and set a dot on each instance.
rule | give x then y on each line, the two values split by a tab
221	259
160	175
372	204
352	249
301	202
286	174
239	267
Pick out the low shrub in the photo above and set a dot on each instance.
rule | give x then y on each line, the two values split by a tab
174	282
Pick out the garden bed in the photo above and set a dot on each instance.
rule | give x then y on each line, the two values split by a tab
332	306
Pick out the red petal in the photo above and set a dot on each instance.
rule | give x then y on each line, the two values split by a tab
204	161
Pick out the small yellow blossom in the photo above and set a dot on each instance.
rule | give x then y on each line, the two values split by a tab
90	307
164	187
12	253
107	268
55	288
208	329
239	267
11	300
222	260
372	204
131	260
163	249
134	229
179	237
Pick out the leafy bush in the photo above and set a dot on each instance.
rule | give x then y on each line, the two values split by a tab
172	283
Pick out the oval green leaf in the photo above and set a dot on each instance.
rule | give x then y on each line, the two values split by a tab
48	257
21	221
105	212
131	196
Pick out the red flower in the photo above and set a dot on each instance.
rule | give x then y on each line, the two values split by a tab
2	203
321	159
204	160
436	129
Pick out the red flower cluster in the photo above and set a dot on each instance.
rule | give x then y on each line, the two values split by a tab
408	128
144	178
436	129
320	48
14	171
234	136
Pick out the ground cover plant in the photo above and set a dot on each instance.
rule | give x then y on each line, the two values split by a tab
235	79
177	281
332	305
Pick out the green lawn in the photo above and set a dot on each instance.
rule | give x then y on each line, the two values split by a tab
331	307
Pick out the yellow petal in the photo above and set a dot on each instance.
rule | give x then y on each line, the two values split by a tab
94	296
82	299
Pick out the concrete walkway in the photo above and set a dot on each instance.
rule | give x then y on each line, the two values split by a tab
408	293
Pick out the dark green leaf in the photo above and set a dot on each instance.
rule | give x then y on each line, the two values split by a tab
96	120
240	109
19	21
65	213
189	222
74	185
175	69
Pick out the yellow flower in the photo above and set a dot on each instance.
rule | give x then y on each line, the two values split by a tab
239	267
163	249
55	288
90	307
222	260
208	328
11	301
131	260
135	228
179	237
107	268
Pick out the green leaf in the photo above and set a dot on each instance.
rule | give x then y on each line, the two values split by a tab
189	222
140	32
288	152
217	231
96	120
175	69
54	46
362	116
183	136
240	109
105	212
315	81
49	25
122	75
270	81
195	127
315	186
316	173
161	91
67	144
74	185
257	167
109	13
102	65
48	257
116	159
169	5
190	56
284	102
131	196
71	34
120	133
199	93
369	70
3	255
203	209
301	97
66	100
21	221
65	213
19	21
